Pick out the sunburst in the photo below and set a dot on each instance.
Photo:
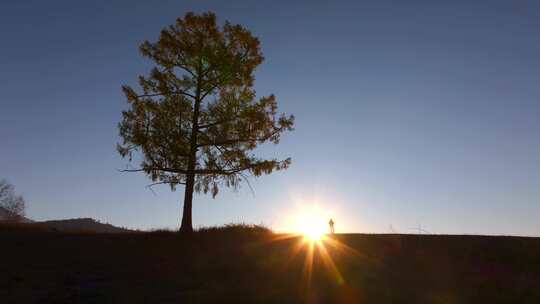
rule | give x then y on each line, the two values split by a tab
315	245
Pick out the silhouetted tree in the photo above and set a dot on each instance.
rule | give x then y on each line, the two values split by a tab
197	120
10	202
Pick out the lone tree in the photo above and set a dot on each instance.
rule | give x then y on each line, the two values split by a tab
197	120
13	205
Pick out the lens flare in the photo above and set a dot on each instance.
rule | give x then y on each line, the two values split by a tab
312	229
311	223
314	236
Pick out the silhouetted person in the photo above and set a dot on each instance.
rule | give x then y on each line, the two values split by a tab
331	224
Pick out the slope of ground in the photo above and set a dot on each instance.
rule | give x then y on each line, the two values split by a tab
256	267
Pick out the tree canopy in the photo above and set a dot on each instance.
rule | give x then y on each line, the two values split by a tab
13	204
196	120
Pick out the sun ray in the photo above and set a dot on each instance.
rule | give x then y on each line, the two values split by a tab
319	249
310	239
329	264
341	247
307	272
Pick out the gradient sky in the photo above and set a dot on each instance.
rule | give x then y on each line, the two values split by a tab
407	113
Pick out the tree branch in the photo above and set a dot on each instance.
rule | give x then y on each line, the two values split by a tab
164	94
240	140
246	178
131	170
215	123
196	171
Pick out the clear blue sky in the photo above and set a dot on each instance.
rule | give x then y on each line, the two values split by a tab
408	112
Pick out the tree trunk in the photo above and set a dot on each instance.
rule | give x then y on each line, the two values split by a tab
187	223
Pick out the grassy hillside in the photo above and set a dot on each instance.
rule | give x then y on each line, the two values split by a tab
255	266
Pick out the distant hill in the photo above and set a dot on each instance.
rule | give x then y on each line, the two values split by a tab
81	225
67	225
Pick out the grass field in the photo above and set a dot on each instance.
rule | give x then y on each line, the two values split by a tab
243	265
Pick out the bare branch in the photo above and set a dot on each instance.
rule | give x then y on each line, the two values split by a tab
246	179
130	170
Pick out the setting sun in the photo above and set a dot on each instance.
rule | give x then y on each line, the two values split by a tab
313	228
313	235
311	222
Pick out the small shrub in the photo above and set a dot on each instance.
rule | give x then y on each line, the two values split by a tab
236	228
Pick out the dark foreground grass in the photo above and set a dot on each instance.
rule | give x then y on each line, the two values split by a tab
246	265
